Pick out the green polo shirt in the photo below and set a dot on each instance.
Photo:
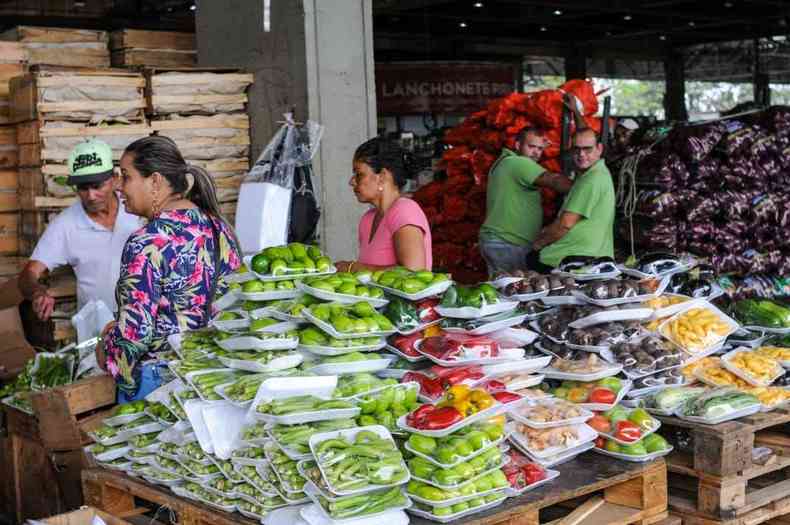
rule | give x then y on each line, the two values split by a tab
513	210
592	197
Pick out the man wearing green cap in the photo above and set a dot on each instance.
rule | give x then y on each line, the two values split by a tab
89	235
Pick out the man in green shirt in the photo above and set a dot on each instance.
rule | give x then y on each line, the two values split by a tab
585	226
514	215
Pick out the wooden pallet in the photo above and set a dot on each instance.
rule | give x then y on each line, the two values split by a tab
124	496
189	91
61	46
720	481
618	493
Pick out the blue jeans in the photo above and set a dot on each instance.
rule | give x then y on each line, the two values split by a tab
150	379
501	256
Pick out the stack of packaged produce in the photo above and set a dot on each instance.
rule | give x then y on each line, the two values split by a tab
332	396
717	189
456	205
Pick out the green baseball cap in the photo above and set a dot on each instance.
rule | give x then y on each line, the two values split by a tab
90	162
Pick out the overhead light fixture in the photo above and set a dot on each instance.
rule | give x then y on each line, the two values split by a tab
79	3
692	23
544	28
557	12
627	18
728	4
192	7
662	37
478	4
462	24
608	33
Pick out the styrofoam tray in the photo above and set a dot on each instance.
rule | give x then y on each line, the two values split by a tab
652	430
628	314
419	328
586	434
274	295
342	298
479	416
626	300
356	367
697	303
240	277
281	363
611	370
503	281
536	327
458	499
467	312
505	355
224	302
587	348
526	297
767	329
457	515
274	313
551	475
514	336
588	276
288	451
561	300
743	412
744	374
334	351
288	276
559	459
232	324
669	311
394	373
109	455
350	434
526	365
430	291
313	515
632	458
123	419
328	328
434	461
490	327
410	359
283	388
504	461
515	414
625	387
533	380
735	340
119	466
252	343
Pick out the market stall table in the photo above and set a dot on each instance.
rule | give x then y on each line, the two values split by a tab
632	493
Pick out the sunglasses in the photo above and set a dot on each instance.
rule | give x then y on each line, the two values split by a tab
583	149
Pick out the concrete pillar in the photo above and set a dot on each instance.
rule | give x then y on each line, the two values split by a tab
675	96
575	63
316	59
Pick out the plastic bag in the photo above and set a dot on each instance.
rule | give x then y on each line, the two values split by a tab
91	320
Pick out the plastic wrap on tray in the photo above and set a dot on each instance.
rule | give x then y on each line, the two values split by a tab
646	356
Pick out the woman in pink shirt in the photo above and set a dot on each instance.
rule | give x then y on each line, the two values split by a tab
394	231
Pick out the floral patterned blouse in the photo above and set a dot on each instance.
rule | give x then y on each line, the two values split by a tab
167	269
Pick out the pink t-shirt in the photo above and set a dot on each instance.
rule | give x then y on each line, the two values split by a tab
381	250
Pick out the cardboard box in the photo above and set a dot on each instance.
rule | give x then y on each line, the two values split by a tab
15	351
85	516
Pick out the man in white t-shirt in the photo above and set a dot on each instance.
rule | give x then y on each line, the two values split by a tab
89	235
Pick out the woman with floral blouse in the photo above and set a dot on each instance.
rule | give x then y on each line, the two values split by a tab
171	269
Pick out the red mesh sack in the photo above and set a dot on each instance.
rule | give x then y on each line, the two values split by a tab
492	140
552	164
545	108
585	93
454	207
429	195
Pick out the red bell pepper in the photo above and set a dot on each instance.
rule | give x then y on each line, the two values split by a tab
441	418
426	310
405	343
418	418
430	387
506	397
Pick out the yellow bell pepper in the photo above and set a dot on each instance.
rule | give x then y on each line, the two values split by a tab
481	399
457	393
432	331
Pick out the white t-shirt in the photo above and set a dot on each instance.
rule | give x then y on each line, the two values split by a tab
92	250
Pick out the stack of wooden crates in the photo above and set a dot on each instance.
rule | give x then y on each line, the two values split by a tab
51	105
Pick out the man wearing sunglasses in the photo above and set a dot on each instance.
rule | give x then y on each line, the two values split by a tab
514	214
89	235
585	225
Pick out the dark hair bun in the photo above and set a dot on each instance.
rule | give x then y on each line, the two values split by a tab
380	153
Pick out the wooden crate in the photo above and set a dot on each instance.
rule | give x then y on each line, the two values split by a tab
122	495
7	72
9	185
36	482
62	46
13	52
720	480
9	151
9	233
85	516
29	95
153	58
66	413
196	91
141	39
